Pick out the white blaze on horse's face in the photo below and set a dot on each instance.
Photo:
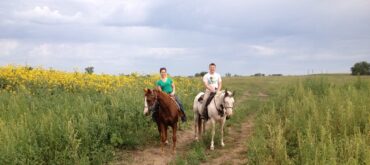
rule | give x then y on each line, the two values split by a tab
229	104
146	109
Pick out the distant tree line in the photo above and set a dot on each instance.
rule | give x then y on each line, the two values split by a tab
200	74
89	70
361	68
262	74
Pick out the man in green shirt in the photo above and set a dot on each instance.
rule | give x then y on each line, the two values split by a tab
167	85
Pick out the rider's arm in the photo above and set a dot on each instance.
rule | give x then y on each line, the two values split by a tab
173	88
158	87
219	84
208	86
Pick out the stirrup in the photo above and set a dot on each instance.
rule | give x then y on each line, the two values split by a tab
204	116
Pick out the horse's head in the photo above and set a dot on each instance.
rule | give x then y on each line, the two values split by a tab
229	102
150	99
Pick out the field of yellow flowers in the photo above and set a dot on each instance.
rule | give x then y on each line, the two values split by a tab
54	117
20	77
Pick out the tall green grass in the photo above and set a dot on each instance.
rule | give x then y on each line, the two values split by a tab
316	120
83	127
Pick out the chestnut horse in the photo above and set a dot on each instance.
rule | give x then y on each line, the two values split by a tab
167	115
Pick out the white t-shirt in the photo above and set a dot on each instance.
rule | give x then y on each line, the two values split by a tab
212	79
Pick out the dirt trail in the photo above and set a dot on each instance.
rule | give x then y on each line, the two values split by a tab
233	153
153	155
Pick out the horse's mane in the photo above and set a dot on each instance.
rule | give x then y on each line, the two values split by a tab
160	92
165	96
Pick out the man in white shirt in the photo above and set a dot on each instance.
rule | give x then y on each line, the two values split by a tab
213	83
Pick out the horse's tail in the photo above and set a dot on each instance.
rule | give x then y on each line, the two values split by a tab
199	120
196	102
196	110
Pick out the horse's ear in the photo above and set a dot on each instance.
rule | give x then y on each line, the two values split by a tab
226	93
146	90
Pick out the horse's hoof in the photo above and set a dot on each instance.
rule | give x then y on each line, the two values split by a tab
166	142
196	139
223	144
212	148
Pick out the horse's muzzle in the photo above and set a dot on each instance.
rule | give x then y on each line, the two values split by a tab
146	111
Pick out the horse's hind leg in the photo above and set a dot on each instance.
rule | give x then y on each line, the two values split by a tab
179	125
174	129
204	122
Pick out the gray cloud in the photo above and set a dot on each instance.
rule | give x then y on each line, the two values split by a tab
244	37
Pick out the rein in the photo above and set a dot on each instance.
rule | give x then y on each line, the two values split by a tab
155	102
221	110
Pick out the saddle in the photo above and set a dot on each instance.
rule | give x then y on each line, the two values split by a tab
177	104
211	96
208	101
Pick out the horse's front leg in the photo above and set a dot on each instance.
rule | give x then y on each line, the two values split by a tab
213	133
163	136
174	139
222	131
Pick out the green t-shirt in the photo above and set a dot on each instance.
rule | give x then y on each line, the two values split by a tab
165	86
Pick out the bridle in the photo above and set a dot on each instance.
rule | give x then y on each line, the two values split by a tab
151	107
222	109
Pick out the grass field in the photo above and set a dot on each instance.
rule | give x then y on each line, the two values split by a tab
299	120
314	120
53	117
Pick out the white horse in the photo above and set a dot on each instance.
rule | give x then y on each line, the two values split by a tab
220	107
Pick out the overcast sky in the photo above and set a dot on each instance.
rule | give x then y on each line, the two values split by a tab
240	36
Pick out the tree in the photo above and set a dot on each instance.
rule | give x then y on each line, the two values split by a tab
259	74
228	74
201	74
361	68
89	70
29	68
